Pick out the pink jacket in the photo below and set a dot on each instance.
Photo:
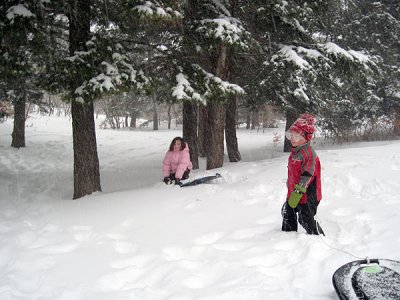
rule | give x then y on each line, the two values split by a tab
177	162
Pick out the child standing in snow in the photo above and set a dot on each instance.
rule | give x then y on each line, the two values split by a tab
304	179
177	164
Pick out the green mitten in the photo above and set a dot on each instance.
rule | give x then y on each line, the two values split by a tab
296	195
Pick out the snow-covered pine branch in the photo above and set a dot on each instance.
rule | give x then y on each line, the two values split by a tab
204	86
19	10
108	69
156	10
225	29
184	91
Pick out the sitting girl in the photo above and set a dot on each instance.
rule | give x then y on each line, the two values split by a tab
177	164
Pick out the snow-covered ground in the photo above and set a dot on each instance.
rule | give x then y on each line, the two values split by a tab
141	239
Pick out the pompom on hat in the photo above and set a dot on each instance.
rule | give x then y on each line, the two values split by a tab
304	125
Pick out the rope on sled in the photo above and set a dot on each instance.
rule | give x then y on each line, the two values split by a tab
341	250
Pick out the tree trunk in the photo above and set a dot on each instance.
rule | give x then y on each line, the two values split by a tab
230	106
291	116
190	131
215	135
216	116
155	114
237	116
133	120
86	162
396	123
255	119
169	116
230	130
248	120
18	134
202	131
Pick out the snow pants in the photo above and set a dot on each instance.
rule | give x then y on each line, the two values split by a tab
306	213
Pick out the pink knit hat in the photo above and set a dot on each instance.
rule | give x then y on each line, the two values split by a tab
304	126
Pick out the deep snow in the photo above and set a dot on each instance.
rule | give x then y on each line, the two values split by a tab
141	239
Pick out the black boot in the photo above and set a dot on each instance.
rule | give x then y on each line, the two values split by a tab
310	225
289	221
319	229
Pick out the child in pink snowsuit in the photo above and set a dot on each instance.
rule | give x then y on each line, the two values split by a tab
177	164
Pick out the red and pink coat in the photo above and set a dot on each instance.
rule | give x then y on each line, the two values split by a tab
304	168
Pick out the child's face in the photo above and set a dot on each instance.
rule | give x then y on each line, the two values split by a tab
177	145
296	139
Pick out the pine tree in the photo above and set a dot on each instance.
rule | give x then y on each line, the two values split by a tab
375	27
303	66
97	62
211	33
20	39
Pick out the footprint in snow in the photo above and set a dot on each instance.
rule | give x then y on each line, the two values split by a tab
193	282
86	236
209	238
59	249
266	260
190	264
285	245
395	167
266	221
252	201
247	233
26	239
51	228
140	261
10	213
5	228
45	263
120	280
82	228
344	212
124	247
177	254
126	223
116	236
231	247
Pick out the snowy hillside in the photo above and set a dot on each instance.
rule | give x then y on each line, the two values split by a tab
141	239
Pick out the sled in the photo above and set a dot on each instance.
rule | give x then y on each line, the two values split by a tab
372	279
200	180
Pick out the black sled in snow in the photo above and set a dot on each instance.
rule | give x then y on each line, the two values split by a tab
368	280
200	180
